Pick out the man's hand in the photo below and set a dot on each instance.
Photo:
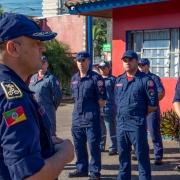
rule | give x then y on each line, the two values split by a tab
57	140
67	148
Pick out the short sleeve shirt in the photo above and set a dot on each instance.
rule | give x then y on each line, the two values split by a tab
87	91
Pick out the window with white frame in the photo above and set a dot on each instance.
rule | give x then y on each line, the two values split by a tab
161	47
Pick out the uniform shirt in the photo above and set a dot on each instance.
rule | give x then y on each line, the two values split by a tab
110	108
47	90
177	92
157	80
133	99
24	129
87	91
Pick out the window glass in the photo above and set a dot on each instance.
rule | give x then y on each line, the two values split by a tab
161	47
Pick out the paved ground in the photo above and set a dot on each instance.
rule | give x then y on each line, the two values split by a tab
110	164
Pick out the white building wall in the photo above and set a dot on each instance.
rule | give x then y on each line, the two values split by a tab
53	7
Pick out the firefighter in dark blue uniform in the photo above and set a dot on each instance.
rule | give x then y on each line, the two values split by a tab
154	118
136	96
47	92
88	90
176	104
109	111
27	149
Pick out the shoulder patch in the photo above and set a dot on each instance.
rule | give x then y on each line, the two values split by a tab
14	116
11	90
150	83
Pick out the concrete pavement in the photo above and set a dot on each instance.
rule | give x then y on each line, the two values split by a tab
110	164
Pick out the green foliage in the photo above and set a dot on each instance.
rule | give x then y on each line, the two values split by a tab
60	63
1	11
170	124
99	34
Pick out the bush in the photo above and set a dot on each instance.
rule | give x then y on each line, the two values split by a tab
60	63
170	124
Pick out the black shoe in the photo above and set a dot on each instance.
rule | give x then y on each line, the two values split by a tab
177	168
76	174
158	162
94	178
111	153
134	158
102	150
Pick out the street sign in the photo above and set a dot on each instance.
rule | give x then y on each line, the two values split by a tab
107	47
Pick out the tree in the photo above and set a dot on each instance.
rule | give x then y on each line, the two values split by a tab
98	40
99	34
60	62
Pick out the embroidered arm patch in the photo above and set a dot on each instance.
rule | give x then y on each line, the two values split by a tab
11	90
14	116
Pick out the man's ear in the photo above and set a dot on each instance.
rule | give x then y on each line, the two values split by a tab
12	48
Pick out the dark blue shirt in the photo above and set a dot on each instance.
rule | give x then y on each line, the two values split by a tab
157	80
87	91
110	108
177	92
47	90
24	129
133	99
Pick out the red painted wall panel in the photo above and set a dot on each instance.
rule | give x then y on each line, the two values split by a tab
69	29
142	17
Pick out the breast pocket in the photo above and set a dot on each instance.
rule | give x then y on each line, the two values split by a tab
136	97
74	91
88	90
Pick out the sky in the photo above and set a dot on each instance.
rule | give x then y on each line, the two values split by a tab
27	7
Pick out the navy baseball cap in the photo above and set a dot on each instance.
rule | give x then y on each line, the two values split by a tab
144	61
15	25
44	58
130	54
82	55
104	64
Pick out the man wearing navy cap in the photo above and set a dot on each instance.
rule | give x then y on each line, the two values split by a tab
109	111
136	96
47	91
27	150
89	92
153	119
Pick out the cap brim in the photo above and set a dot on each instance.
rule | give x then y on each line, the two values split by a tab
127	57
42	35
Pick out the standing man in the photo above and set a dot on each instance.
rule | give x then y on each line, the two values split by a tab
109	111
27	150
89	92
47	92
136	96
154	118
176	104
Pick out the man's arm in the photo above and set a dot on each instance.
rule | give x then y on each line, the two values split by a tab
177	108
151	109
56	92
161	95
101	103
64	153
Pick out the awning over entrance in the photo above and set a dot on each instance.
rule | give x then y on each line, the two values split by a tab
102	8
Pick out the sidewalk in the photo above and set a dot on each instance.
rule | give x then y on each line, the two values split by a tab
110	164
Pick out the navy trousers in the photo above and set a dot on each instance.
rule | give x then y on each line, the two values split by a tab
81	136
153	123
125	139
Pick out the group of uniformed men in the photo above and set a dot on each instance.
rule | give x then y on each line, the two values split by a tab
133	98
27	149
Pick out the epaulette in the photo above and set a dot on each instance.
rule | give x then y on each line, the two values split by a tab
11	90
